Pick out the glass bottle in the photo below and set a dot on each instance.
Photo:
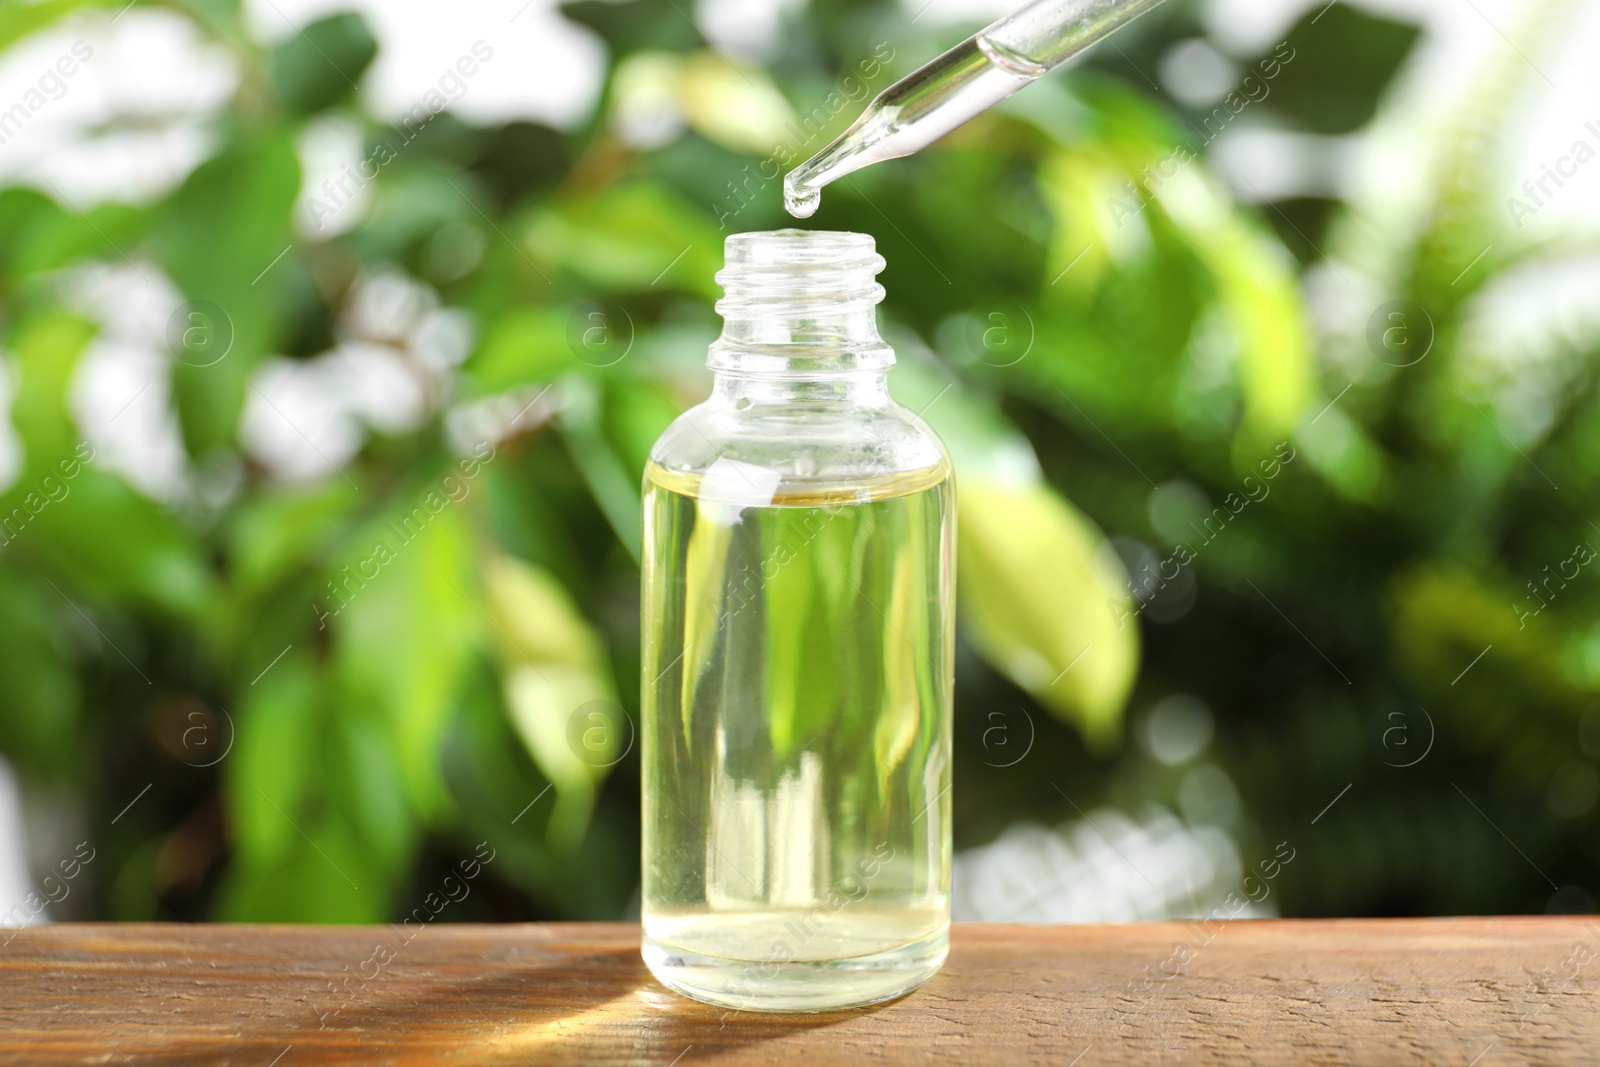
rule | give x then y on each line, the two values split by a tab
799	545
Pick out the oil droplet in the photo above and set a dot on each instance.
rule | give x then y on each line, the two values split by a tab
801	201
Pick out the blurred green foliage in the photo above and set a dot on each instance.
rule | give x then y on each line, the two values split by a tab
1111	364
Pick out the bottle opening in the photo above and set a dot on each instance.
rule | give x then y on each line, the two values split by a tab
807	296
811	270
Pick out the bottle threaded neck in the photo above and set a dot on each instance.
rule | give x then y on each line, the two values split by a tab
804	297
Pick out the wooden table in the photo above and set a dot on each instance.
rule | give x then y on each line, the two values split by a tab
1483	992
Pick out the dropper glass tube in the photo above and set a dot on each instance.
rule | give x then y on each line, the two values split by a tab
961	84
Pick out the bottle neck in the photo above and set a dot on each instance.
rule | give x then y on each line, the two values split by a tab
815	354
800	319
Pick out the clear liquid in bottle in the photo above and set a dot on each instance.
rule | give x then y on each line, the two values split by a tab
796	725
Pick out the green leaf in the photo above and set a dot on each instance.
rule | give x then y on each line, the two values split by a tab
1038	584
635	235
48	349
404	631
554	666
1444	615
273	534
1122	235
1256	287
1045	604
26	215
633	25
983	444
276	761
322	64
366	786
524	345
40	726
245	192
1339	61
18	20
58	238
60	510
636	414
1344	453
322	879
610	483
151	560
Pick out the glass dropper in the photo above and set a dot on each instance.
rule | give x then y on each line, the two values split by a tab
966	81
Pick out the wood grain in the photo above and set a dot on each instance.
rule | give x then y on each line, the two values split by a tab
1434	991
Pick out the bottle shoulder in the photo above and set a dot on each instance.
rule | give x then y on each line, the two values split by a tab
804	443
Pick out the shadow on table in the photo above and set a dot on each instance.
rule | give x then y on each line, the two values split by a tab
303	996
600	1005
